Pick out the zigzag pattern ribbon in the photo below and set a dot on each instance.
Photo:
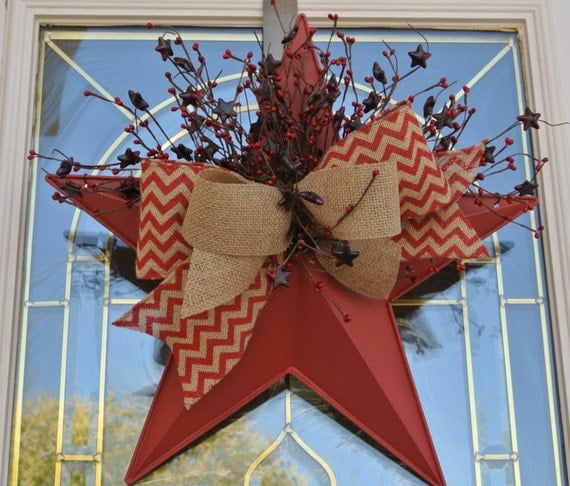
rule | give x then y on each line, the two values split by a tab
165	190
397	136
206	346
447	232
428	223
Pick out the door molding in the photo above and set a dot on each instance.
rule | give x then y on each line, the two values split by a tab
544	35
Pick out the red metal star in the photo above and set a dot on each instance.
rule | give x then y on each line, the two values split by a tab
358	367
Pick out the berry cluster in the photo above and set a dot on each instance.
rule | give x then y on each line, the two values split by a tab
281	119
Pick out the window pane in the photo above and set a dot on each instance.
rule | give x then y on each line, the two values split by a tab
478	342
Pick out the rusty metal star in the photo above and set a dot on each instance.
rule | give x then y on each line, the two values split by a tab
343	253
419	56
529	119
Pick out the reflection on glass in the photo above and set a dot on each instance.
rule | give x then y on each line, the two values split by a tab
77	473
498	472
478	342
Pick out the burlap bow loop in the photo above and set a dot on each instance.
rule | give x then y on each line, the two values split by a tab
232	224
361	206
360	202
230	215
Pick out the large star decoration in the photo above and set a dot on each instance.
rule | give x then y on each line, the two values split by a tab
357	365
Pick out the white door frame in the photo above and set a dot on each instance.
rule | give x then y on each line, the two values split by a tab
545	40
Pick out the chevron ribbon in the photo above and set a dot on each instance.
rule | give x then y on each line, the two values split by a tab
397	136
446	232
165	190
211	236
205	346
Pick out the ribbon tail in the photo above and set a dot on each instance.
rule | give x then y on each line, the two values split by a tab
446	233
216	279
205	346
166	189
157	314
460	168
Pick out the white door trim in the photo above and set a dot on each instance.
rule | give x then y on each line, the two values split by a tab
545	37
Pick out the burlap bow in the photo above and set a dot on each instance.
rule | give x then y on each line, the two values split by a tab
233	225
208	232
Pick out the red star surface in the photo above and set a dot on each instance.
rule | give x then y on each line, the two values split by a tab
358	367
300	333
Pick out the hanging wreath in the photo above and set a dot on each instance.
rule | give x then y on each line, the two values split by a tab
294	211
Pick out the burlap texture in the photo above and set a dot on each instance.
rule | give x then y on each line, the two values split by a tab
373	273
396	136
166	188
216	279
460	168
229	215
374	200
